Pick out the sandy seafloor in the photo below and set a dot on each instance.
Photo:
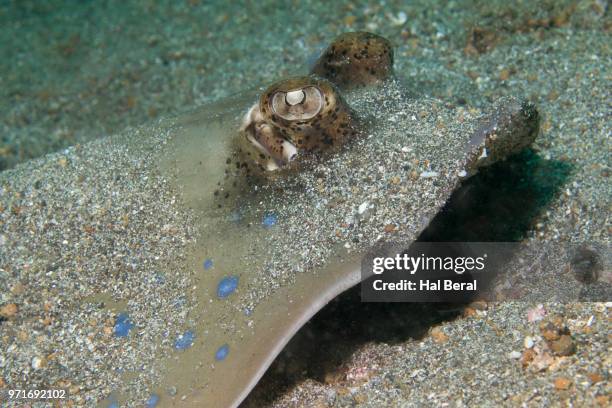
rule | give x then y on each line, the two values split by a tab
71	73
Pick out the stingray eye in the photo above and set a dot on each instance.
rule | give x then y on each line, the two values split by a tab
299	104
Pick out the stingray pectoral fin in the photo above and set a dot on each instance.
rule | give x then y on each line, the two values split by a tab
202	153
230	382
512	125
220	111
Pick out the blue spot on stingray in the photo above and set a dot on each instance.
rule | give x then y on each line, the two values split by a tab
152	401
227	286
208	263
113	403
160	278
269	220
180	302
123	325
184	341
235	216
248	312
222	352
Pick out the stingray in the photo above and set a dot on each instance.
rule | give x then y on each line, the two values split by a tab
291	187
285	189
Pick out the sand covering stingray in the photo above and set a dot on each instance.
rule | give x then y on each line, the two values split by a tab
271	251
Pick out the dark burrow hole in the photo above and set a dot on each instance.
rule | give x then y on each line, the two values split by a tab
499	204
